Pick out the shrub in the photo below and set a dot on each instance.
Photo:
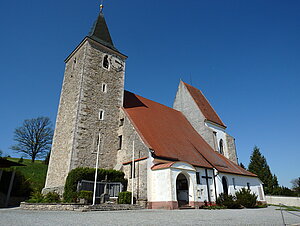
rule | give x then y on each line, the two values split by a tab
78	174
87	195
51	197
36	197
228	201
246	198
124	197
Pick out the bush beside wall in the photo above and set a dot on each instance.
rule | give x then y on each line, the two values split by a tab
124	197
84	173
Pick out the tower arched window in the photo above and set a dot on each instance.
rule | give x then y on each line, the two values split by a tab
105	63
221	147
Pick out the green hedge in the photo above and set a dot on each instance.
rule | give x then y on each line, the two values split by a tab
78	174
124	197
87	195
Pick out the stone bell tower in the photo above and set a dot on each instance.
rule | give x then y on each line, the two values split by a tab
91	97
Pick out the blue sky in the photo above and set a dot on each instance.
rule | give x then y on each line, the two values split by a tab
243	55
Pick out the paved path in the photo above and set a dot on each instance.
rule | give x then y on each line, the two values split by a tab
265	216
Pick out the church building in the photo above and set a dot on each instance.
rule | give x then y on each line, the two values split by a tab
172	157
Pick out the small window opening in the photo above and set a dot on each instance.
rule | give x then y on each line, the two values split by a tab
105	62
104	88
248	186
221	147
233	181
73	66
198	177
121	121
101	115
120	143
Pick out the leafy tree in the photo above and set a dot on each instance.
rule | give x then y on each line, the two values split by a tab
284	191
34	137
296	185
1	153
259	166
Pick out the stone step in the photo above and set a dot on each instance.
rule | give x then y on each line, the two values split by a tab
186	207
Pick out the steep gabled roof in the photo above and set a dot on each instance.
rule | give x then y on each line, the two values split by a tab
100	32
204	106
169	134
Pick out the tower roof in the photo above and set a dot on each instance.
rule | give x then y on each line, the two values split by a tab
100	32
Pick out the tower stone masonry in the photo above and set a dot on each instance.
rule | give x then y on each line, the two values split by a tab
91	98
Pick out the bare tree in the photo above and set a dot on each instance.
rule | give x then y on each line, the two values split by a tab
34	137
296	185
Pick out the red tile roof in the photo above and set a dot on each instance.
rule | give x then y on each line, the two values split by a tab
162	165
203	104
170	135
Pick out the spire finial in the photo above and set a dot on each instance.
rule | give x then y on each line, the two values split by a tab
101	6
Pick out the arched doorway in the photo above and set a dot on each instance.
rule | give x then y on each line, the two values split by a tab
182	189
225	185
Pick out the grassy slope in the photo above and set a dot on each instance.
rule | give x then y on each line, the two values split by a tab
34	172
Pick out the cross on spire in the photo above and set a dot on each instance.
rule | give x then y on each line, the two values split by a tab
101	6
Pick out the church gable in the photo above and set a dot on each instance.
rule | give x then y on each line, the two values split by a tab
204	106
185	103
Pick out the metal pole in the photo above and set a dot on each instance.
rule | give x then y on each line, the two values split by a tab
96	170
132	173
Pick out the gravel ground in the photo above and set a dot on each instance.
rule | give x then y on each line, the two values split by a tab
265	216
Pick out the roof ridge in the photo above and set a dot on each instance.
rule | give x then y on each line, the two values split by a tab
154	101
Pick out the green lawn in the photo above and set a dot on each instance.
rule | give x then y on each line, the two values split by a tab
35	172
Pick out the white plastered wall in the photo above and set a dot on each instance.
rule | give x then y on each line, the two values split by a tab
240	182
201	189
220	134
162	182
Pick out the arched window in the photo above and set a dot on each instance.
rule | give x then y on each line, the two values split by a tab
105	62
221	147
225	185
